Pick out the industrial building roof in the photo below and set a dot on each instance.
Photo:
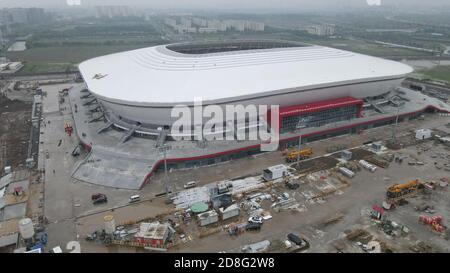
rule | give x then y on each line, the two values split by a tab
199	207
160	76
153	230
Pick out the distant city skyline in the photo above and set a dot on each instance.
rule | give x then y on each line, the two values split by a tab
296	5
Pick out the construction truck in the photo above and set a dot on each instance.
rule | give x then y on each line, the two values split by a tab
401	191
294	155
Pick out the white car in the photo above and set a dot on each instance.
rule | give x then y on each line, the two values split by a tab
255	219
189	185
134	198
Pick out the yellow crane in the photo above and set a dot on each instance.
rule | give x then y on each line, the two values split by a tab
294	155
400	191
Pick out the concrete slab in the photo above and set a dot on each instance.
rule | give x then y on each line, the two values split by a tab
50	101
14	211
5	180
9	227
9	239
102	167
24	184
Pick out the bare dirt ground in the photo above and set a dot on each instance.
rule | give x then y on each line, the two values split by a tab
14	132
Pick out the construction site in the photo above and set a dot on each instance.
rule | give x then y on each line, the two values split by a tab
21	187
14	131
384	189
367	198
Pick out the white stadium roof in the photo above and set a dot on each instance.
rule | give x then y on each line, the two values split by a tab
159	75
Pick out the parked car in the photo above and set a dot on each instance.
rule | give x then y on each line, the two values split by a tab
96	196
292	185
252	226
134	198
101	199
295	239
255	219
189	185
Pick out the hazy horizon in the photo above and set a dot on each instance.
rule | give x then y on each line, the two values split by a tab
294	5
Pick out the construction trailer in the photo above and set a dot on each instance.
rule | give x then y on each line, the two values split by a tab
224	186
377	146
222	200
153	234
275	172
229	212
346	155
207	218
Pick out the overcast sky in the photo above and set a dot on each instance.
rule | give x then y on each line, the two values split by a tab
227	4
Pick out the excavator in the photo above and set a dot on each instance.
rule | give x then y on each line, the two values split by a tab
400	191
294	155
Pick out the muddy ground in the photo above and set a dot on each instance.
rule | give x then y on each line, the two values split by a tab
15	125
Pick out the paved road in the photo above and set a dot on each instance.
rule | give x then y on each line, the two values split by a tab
58	205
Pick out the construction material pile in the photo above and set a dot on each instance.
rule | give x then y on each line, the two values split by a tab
378	161
246	185
186	198
435	222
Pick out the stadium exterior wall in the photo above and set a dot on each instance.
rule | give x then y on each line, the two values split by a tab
155	116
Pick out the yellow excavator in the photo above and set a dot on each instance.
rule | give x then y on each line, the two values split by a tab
294	155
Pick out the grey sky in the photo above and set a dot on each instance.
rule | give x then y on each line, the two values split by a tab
221	4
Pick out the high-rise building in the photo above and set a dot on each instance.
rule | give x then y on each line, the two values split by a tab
18	16
200	22
322	30
186	22
36	16
113	11
24	16
1	36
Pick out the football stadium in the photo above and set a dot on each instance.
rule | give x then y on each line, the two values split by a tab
142	86
122	111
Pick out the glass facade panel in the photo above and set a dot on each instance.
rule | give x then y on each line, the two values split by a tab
320	118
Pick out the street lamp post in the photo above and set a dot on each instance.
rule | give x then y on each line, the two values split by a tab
394	130
164	149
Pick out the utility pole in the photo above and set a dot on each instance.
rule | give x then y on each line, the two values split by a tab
394	130
164	149
299	145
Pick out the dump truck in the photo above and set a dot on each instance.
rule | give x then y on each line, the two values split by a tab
294	155
400	191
